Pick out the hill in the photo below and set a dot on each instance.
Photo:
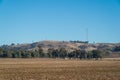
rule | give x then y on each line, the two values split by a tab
107	48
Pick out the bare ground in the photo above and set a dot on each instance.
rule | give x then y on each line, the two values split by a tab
58	69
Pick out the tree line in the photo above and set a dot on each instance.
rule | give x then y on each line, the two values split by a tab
51	53
116	49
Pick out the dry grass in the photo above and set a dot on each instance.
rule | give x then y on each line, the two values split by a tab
56	69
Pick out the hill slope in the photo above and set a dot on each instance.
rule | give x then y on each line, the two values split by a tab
68	45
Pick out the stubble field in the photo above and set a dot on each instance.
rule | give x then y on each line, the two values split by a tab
58	69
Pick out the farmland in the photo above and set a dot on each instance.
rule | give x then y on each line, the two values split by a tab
59	69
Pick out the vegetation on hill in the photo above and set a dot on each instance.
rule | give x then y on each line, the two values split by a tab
51	53
60	49
116	49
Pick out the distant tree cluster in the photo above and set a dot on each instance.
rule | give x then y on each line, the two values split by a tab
79	41
116	49
51	53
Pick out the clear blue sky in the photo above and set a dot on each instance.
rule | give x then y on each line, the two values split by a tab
24	21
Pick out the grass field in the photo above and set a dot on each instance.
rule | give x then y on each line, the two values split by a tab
58	69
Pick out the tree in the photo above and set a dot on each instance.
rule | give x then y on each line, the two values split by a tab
117	48
25	54
36	53
89	55
71	54
1	52
18	53
12	44
62	53
50	51
32	54
41	53
55	53
97	54
77	53
83	54
4	55
12	53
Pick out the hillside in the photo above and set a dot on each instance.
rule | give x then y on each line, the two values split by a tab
68	45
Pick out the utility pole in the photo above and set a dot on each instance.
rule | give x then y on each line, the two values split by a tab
87	42
87	35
